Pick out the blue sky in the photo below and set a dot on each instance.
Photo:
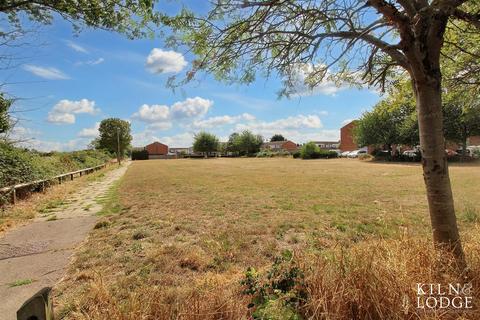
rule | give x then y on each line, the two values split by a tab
68	83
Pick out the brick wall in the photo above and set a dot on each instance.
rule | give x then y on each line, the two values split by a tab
474	141
289	146
157	148
346	137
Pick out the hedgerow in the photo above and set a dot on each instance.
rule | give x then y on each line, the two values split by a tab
18	165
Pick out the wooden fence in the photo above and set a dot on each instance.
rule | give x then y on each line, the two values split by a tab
41	185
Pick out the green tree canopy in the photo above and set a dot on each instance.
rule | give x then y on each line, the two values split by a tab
205	142
461	115
114	136
131	17
277	137
249	143
5	121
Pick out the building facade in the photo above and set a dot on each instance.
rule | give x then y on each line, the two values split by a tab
157	150
347	142
277	146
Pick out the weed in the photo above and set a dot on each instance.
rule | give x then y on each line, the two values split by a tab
19	283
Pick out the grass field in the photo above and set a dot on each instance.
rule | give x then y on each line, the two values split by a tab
177	237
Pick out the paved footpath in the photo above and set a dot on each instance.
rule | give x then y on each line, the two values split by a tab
40	251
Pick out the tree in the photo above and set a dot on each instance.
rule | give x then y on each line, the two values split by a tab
114	136
358	41
205	142
233	144
131	17
392	120
309	150
277	137
461	118
249	143
5	121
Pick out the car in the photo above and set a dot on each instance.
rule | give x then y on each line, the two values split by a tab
450	153
345	154
468	152
411	153
357	153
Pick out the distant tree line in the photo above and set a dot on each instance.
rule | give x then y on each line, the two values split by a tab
393	120
239	144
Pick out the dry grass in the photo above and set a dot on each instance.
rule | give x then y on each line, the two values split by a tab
183	232
53	197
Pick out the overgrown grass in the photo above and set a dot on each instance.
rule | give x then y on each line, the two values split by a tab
177	238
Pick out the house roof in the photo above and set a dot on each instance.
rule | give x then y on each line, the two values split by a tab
277	143
156	143
326	142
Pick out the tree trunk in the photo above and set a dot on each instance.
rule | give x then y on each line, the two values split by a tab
435	169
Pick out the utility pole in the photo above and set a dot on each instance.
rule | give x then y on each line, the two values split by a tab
118	147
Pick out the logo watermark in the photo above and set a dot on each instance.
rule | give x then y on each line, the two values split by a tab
444	296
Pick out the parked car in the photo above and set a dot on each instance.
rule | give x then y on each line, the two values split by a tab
344	154
357	153
468	152
450	153
411	153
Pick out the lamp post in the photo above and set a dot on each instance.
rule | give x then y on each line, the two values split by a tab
118	147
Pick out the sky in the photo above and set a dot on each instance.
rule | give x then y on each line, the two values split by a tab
66	83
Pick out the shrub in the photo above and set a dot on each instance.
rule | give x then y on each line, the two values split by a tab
312	151
264	154
139	155
18	165
365	156
296	154
309	151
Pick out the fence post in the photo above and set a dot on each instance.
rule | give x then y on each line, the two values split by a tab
71	177
38	307
14	196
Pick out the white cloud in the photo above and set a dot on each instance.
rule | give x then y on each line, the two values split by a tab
294	122
191	107
47	146
153	113
76	46
221	121
146	137
61	118
160	126
163	61
89	132
160	117
46	72
64	111
301	86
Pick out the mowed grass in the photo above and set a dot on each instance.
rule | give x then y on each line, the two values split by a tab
182	233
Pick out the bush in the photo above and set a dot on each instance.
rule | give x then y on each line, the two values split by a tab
139	155
270	154
18	165
312	151
264	154
365	156
296	154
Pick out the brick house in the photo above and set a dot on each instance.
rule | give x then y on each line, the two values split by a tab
157	150
346	137
474	141
286	145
